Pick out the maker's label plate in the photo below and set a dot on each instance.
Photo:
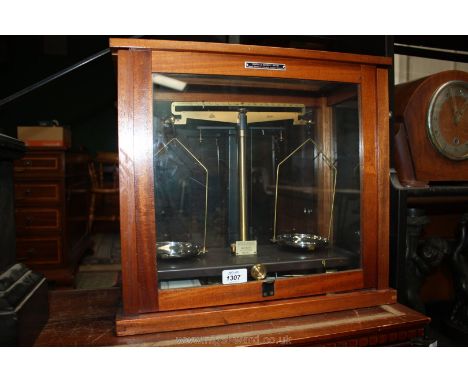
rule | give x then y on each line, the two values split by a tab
264	65
246	248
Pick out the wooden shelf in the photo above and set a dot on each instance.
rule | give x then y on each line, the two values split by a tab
273	257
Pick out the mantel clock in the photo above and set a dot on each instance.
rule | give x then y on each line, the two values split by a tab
431	141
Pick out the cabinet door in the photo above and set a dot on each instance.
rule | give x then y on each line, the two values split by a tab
298	203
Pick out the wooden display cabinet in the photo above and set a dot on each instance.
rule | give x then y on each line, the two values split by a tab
335	104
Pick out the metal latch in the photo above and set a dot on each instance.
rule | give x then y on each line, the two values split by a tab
268	288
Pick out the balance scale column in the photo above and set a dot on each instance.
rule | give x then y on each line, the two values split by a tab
241	133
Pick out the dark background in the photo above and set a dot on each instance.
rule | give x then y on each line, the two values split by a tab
85	98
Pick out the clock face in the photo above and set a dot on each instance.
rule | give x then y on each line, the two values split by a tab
447	120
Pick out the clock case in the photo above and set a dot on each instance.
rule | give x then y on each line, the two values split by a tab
417	161
146	308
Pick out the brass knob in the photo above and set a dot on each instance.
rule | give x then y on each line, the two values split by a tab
258	271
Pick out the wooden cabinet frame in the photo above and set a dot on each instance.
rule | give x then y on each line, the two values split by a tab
147	309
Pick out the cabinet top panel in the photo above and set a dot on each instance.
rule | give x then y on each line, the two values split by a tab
166	45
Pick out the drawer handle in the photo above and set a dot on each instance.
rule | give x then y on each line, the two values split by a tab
31	251
29	220
27	163
27	191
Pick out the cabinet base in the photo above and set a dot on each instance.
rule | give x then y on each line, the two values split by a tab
86	318
235	314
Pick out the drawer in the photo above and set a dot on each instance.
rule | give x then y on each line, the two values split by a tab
40	250
33	193
33	163
37	219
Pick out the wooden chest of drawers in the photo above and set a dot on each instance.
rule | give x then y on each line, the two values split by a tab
51	198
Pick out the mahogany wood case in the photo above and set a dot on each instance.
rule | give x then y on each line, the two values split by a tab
147	309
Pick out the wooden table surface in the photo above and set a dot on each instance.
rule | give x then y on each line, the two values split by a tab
86	318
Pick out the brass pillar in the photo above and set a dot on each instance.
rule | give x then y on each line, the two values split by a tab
241	133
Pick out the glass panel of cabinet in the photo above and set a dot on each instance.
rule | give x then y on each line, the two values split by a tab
247	190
